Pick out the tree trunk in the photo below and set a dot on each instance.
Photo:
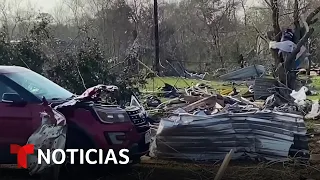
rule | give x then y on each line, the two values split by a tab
285	65
156	38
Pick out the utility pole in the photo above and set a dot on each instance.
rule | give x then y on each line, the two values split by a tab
156	66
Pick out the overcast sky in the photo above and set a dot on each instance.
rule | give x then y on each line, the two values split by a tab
49	5
59	10
44	5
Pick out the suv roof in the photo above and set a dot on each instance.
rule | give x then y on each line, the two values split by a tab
12	69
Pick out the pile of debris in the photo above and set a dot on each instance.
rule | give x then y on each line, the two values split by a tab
204	126
258	134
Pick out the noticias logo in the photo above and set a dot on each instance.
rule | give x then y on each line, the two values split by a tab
59	156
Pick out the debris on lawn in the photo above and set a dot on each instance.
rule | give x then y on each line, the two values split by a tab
315	111
153	101
167	91
263	88
195	75
245	73
265	123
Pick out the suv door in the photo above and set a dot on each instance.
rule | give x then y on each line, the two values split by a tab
16	124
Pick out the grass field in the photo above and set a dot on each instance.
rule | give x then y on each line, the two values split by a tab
156	83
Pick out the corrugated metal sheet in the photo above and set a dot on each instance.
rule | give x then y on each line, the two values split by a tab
262	134
261	88
245	73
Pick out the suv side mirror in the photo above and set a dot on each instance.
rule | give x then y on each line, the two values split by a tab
12	98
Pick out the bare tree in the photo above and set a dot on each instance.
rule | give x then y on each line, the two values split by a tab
285	65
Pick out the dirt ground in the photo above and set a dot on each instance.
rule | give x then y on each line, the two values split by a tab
151	169
166	170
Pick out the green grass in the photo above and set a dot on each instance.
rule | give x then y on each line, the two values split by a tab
316	82
316	87
156	83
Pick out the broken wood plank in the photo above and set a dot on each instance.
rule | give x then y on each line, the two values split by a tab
224	165
209	101
191	99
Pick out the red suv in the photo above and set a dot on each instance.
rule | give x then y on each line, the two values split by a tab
22	91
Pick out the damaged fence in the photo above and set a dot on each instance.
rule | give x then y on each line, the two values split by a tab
266	135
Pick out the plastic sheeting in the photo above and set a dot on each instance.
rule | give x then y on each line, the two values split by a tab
265	134
300	96
288	46
284	46
50	135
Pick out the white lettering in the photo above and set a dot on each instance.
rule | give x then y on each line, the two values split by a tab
88	156
41	156
112	158
100	156
54	156
57	158
81	156
124	156
72	151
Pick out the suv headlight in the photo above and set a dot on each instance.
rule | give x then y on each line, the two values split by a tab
112	115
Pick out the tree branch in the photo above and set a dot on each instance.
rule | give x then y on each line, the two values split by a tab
296	14
310	17
269	4
276	29
297	31
292	57
275	18
260	34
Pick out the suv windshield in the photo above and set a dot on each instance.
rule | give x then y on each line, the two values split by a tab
39	85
